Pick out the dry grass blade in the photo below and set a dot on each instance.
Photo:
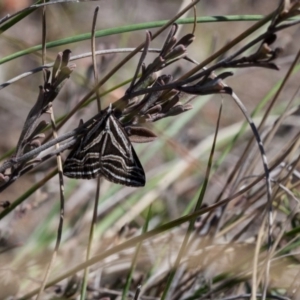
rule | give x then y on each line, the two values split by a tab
97	194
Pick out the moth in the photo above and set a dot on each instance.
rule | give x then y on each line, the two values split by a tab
105	151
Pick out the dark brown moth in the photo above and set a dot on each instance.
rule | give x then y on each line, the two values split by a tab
105	151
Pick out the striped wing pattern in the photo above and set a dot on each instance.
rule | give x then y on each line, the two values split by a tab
106	150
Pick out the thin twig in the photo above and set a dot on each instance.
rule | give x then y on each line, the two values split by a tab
72	58
60	174
184	244
95	210
62	205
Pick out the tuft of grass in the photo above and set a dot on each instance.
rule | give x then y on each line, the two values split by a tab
218	217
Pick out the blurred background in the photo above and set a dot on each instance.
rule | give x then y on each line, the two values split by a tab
177	137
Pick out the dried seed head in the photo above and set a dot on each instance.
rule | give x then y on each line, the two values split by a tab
289	9
138	134
5	204
186	40
3	178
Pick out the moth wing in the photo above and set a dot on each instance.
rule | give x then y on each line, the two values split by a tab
83	162
119	162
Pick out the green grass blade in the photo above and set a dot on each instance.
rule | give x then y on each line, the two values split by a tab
123	29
